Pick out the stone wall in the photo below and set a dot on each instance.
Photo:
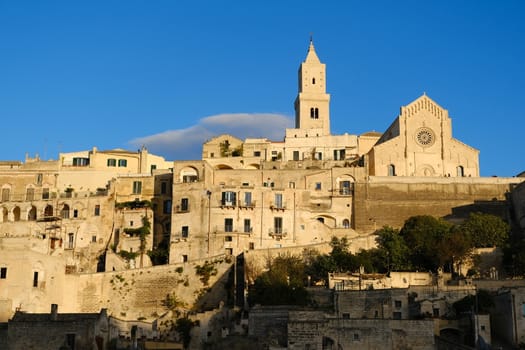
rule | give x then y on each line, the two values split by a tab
141	293
312	330
391	200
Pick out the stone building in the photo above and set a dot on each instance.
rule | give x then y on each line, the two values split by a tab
58	331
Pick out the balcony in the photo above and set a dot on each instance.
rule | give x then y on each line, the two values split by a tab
277	206
182	209
227	204
277	233
247	205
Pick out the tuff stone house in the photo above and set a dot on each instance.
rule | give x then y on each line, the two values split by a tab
58	331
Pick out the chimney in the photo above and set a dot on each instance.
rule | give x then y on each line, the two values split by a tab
54	312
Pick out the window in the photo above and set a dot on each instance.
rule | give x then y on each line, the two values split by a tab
75	213
3	273
345	188
212	155
185	230
112	162
131	223
163	187
122	163
35	279
251	246
97	210
80	161
318	186
391	170
313	81
278	225
278	200
228	198
228	225
460	171
65	212
39	178
229	251
346	223
184	258
296	155
5	194
30	194
137	187
71	240
184	204
346	316
247	199
247	226
435	312
319	156
45	193
314	113
356	336
228	238
93	239
397	303
257	153
291	184
339	154
166	206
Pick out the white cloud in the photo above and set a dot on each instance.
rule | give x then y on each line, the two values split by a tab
187	143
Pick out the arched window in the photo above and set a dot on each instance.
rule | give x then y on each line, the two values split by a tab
65	212
48	211
391	170
321	220
312	113
5	194
346	223
460	171
31	215
16	214
316	113
313	81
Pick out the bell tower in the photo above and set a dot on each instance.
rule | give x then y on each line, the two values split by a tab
312	105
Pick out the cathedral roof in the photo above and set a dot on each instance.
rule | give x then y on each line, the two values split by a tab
311	57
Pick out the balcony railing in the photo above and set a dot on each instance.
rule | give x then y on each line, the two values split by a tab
277	232
246	205
278	206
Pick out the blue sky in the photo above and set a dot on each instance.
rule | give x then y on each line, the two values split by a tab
115	74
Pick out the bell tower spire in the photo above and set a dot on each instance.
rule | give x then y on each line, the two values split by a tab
312	105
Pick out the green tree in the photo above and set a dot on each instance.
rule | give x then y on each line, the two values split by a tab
486	230
393	251
183	326
423	234
342	259
318	266
454	247
282	284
